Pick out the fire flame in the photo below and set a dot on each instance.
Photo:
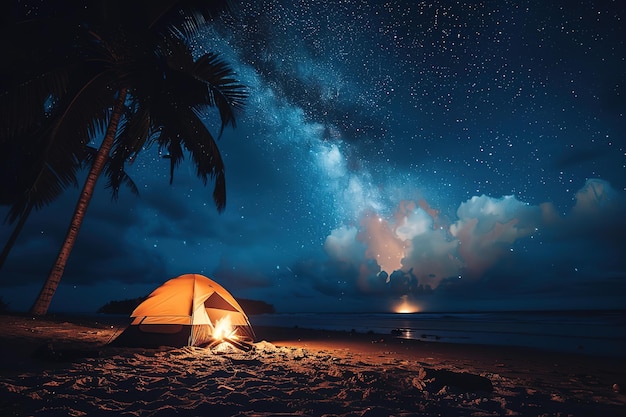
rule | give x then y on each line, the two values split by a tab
224	329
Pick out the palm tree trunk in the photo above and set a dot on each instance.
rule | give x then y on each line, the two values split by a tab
42	303
16	232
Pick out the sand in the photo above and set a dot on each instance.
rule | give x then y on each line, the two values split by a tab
64	367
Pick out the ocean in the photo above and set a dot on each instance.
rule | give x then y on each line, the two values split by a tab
587	332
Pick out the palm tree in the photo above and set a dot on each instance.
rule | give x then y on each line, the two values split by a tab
41	136
158	91
44	78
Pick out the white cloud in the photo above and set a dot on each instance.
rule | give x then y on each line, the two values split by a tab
491	211
342	245
413	224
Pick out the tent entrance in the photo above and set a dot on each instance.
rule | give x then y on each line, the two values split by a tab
200	334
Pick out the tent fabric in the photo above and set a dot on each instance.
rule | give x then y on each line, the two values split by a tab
188	306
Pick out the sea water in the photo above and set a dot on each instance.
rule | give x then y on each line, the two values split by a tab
588	332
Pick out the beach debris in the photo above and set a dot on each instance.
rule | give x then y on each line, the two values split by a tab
420	380
400	331
375	412
461	380
265	346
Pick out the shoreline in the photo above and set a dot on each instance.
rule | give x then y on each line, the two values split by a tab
447	328
296	371
314	336
595	333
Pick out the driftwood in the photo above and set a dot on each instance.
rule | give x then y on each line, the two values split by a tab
241	345
238	344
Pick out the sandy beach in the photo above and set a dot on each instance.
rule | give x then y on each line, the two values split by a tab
65	367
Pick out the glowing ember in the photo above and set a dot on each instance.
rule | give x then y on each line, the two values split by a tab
224	329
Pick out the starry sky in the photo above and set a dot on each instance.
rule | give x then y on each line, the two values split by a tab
428	155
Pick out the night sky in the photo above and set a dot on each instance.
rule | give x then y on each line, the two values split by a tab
449	155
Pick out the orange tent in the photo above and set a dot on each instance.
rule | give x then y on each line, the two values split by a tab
187	310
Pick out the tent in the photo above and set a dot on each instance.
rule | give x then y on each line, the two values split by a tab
190	310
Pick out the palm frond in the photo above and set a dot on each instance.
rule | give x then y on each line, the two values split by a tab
177	54
205	154
53	150
43	177
178	82
114	170
56	109
24	105
184	16
174	150
132	135
223	90
134	131
84	114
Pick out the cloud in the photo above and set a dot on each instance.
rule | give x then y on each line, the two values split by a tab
402	254
574	157
101	252
433	257
412	221
493	246
595	197
341	245
487	227
574	256
598	216
382	243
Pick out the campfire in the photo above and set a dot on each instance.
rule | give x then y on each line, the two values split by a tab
225	332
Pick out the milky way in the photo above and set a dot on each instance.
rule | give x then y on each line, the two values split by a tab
453	154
